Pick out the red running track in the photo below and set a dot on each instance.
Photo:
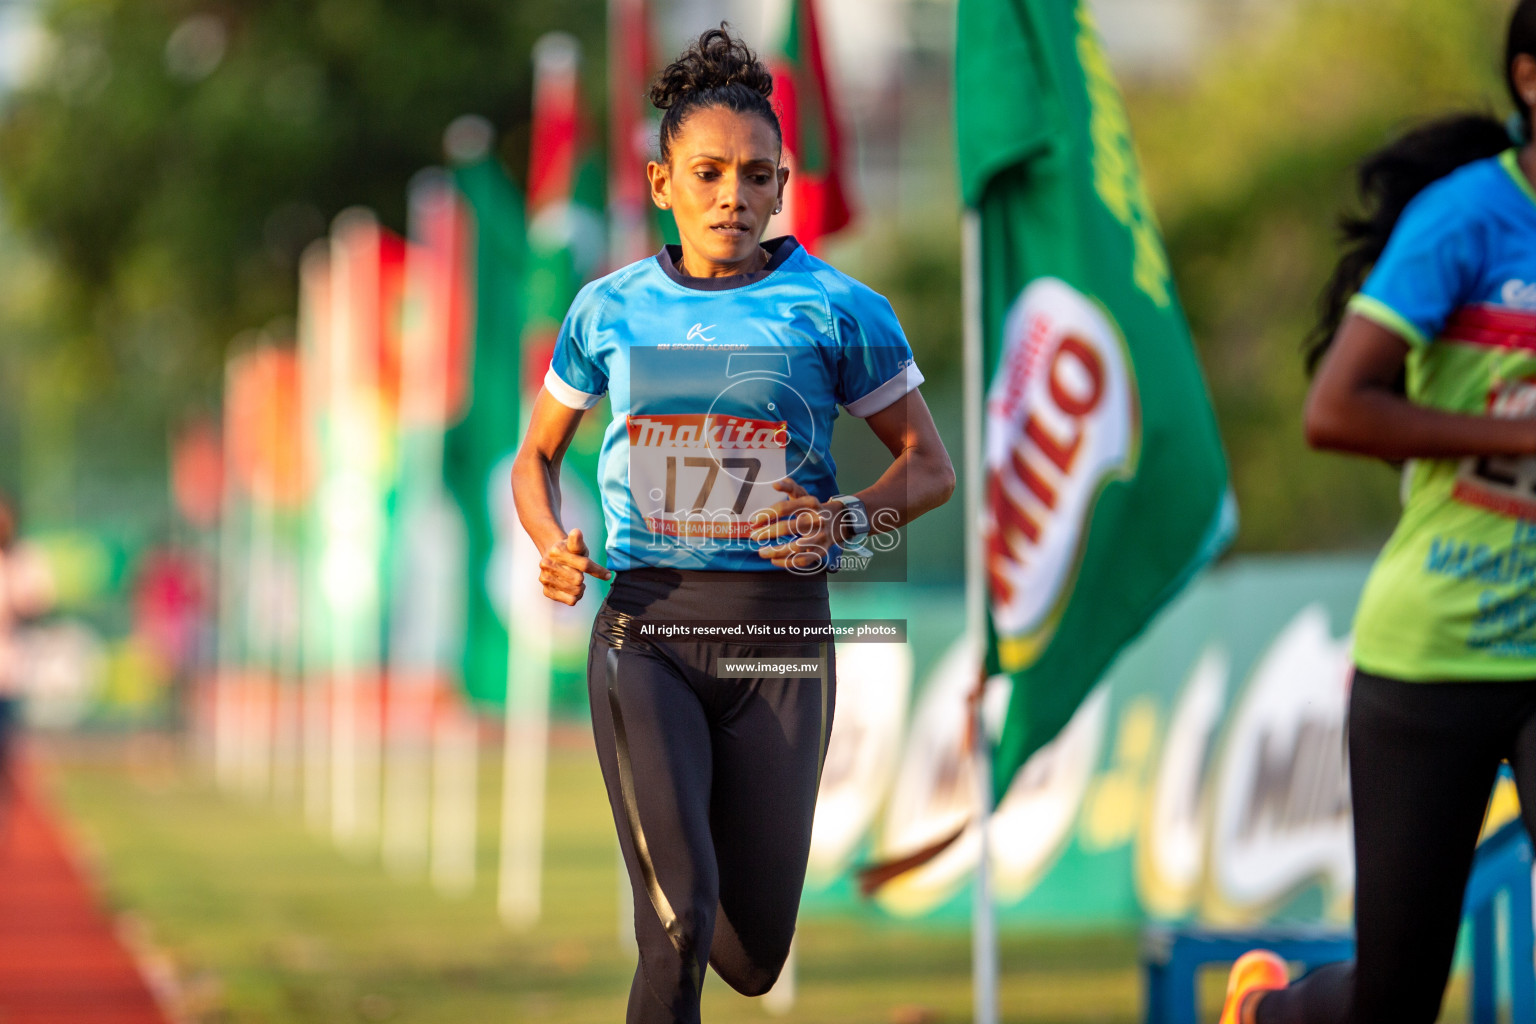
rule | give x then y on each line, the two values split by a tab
60	960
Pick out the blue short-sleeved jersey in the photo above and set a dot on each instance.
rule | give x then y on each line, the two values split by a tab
719	387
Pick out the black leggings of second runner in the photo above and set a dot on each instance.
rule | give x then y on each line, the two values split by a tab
712	780
1422	760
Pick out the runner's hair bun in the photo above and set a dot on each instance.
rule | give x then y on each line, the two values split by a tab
717	69
715	60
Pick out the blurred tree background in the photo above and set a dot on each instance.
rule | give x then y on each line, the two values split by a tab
1250	162
164	169
162	172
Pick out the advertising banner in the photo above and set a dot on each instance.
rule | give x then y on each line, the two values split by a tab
1203	779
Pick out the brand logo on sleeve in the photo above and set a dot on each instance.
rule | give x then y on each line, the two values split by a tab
1518	294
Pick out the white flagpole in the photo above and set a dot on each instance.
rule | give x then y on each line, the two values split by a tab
983	913
779	1000
345	718
530	625
526	746
414	665
355	525
226	693
456	788
314	331
256	728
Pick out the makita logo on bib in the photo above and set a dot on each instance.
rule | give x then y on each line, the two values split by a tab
1517	294
702	430
1062	420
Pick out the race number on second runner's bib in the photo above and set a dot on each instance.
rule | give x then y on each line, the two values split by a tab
1502	484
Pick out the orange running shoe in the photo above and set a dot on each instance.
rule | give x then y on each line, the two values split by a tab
1257	970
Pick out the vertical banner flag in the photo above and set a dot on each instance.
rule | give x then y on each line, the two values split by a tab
1105	482
565	244
366	281
565	197
426	621
267	464
234	545
629	132
314	348
565	226
816	202
197	487
480	445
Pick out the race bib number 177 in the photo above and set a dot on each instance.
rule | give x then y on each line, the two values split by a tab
701	476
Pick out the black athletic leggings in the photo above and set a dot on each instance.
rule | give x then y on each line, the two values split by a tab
712	780
1422	760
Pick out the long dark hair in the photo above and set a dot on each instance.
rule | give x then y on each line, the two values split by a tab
718	70
1389	178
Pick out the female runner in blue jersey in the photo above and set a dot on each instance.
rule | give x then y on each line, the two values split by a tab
1427	355
725	359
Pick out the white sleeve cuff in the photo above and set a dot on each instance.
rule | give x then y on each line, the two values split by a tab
884	395
567	395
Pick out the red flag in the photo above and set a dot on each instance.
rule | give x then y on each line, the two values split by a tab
817	203
565	186
197	472
367	287
629	131
262	413
437	332
556	124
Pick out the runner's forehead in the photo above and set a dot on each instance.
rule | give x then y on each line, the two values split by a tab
720	135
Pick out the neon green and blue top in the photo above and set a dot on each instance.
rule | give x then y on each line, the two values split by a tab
1453	594
719	387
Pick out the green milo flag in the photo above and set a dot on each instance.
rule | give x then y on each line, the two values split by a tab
1105	483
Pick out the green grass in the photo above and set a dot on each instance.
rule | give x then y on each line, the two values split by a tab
264	921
